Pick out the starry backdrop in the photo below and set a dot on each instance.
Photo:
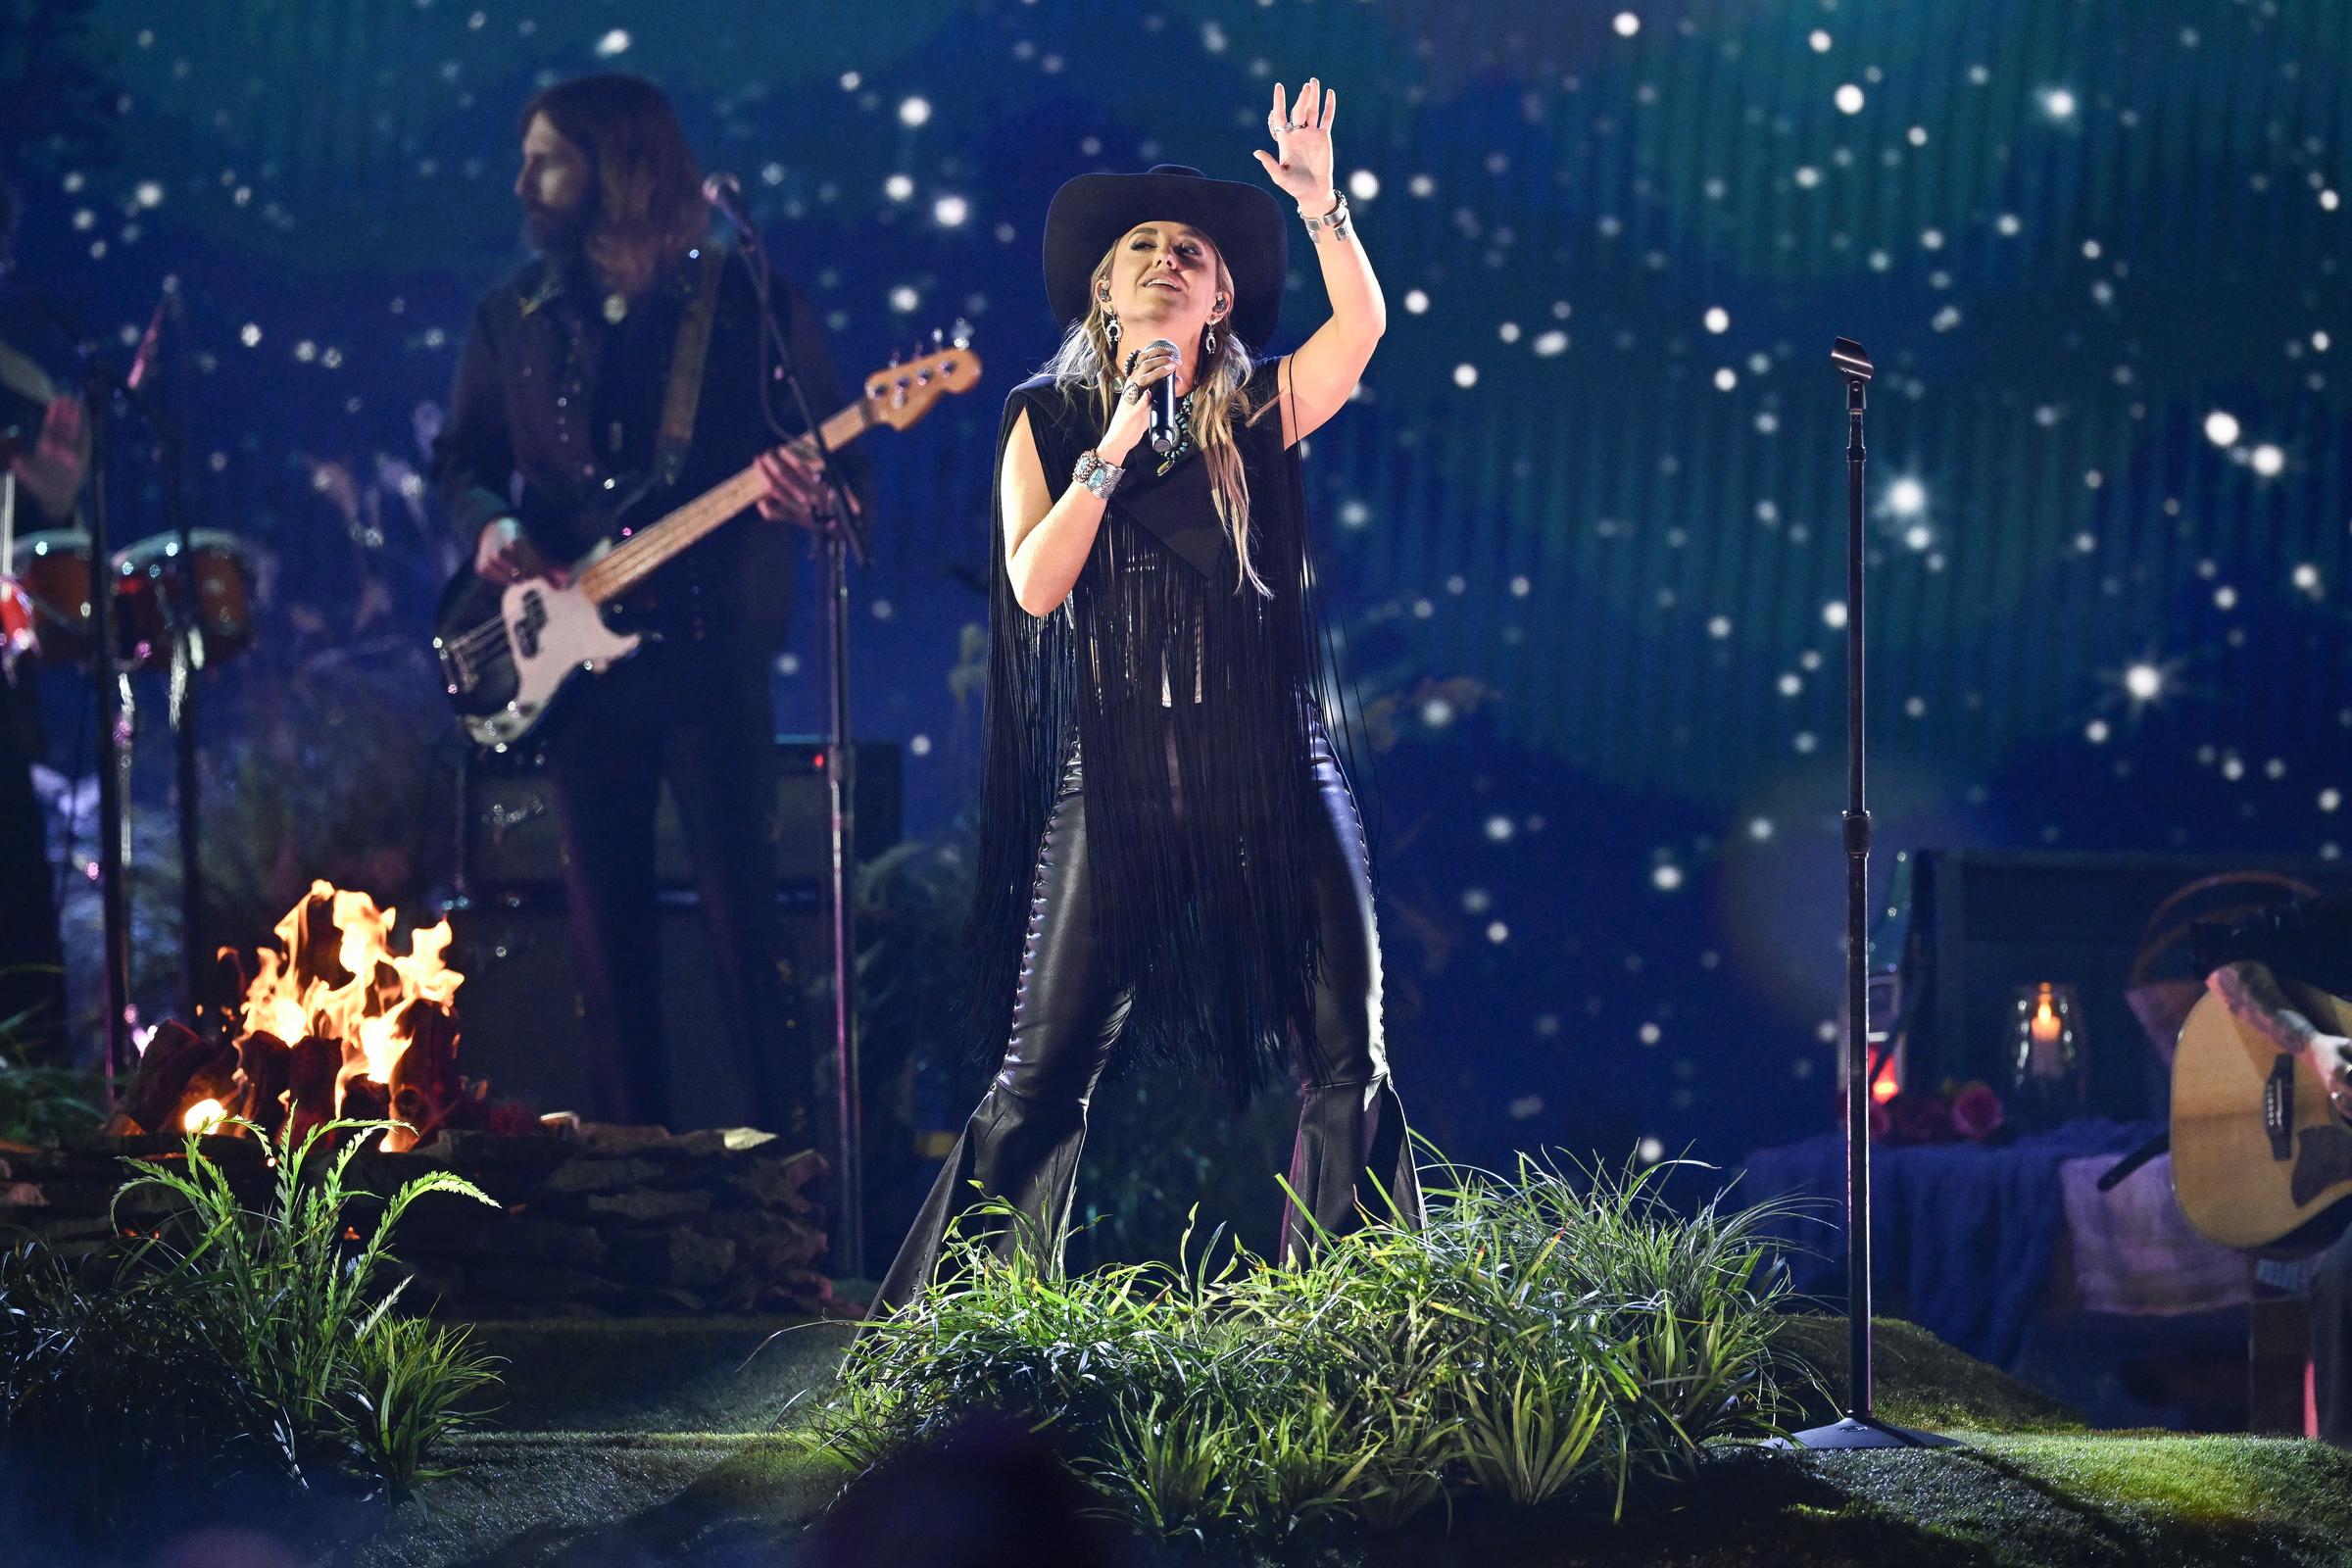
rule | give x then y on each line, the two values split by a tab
1581	532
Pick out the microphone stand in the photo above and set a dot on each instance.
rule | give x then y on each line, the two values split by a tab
1861	1427
838	539
102	383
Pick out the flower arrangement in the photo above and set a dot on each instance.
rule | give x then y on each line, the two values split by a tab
1956	1112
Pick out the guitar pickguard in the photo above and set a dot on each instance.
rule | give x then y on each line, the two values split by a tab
2323	1157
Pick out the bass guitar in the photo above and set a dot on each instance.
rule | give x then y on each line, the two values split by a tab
506	652
2261	1158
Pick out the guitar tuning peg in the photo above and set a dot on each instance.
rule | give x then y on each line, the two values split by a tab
894	359
960	335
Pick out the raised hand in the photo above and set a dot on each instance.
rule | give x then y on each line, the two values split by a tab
1300	162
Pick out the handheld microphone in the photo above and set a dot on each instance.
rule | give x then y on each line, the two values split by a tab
1163	404
722	191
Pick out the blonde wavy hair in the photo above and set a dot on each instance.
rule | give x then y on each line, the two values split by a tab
1221	402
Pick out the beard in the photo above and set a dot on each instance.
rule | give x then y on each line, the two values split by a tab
553	232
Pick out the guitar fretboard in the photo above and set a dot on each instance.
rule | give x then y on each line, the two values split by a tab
650	548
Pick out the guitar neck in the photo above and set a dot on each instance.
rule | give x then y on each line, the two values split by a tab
654	546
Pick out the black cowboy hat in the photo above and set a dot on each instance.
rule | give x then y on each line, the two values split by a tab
1091	212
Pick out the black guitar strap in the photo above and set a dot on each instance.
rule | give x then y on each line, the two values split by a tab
686	363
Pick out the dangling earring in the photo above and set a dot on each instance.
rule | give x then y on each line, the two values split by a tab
1110	330
1209	346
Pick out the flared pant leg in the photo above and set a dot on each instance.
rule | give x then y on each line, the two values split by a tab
1354	1155
1022	1143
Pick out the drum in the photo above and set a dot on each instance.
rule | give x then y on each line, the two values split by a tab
223	611
54	570
16	635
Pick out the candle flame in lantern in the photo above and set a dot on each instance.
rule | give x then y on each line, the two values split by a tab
2046	1026
204	1116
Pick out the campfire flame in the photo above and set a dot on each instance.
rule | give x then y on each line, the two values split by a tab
337	977
204	1116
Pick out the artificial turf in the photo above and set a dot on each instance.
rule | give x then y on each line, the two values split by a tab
650	1442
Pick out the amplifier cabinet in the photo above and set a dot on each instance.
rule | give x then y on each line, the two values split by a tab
519	1007
509	838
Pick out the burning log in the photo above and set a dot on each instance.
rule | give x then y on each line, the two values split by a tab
365	1100
310	1070
178	1069
426	1086
266	1064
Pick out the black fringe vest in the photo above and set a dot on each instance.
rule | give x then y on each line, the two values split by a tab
1192	701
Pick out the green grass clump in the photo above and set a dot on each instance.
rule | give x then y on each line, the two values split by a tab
227	1342
1560	1333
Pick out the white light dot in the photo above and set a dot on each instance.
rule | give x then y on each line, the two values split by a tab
1718	318
950	211
1465	375
913	111
1508	331
1363	184
1819	38
1791	685
1906	498
2225	597
1521	587
2307	577
2320	342
1719	626
1498	829
1627	23
1760	829
1415	302
150	193
612	43
1650	1150
850	82
2144	681
1649	1034
919	745
2220	428
1919	536
249	334
1437	713
1849	99
2268	461
905	299
2331	799
2096	732
1807	176
1552	344
1833	613
1917	135
1726	378
1497	932
1666	877
2007	223
2058	102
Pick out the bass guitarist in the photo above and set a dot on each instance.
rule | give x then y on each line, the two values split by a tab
579	373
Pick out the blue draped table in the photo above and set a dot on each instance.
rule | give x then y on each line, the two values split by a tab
1962	1235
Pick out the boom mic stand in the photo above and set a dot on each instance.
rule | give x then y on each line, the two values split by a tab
839	538
1861	1427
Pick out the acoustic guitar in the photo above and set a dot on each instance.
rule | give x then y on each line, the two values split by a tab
2260	1160
506	652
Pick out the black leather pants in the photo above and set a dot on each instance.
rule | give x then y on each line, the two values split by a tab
1022	1143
